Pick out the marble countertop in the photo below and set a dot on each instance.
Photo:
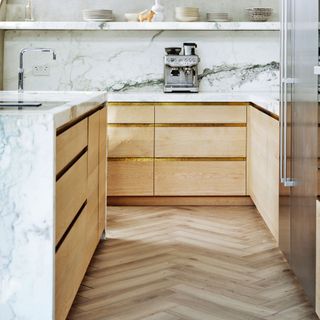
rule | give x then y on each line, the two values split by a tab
63	106
266	100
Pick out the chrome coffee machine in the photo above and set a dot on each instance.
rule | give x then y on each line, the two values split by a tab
181	70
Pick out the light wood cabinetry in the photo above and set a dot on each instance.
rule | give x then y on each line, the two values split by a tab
130	113
200	113
80	198
177	149
130	149
131	141
200	141
263	166
130	177
200	178
71	194
70	143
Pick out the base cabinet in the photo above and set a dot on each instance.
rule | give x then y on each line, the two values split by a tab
180	149
80	216
263	166
200	178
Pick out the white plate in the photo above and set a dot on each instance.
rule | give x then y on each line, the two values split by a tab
98	20
187	19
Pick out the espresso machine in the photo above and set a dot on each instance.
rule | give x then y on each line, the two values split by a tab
181	70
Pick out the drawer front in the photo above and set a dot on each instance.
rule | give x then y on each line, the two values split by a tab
131	141
200	142
130	178
200	178
72	260
70	143
130	114
201	114
71	191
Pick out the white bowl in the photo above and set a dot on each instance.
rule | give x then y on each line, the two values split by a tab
132	17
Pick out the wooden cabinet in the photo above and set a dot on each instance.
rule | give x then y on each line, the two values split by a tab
263	166
130	113
130	149
130	177
70	143
200	178
80	202
130	141
201	113
200	141
180	149
71	194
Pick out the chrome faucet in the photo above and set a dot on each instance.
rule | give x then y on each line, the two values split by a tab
21	67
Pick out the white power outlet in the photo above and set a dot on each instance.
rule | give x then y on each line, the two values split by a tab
41	70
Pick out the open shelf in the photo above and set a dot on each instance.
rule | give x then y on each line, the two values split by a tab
137	26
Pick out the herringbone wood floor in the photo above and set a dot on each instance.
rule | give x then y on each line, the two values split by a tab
174	263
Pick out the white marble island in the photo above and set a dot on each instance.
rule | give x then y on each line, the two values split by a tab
27	196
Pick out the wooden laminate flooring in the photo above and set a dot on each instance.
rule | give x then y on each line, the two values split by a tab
190	263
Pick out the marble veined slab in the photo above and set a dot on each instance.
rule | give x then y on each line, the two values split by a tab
168	25
267	100
27	197
63	106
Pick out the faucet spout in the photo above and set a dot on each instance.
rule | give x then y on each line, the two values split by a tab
21	63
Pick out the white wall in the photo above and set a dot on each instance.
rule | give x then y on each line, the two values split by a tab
65	10
119	61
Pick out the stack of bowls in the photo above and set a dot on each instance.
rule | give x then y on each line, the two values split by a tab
101	15
259	14
218	17
187	14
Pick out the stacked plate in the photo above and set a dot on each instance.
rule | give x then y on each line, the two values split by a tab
218	17
101	15
259	14
187	14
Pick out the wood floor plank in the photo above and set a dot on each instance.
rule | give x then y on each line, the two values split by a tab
189	263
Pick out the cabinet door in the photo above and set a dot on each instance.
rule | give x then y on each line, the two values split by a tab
200	178
102	169
180	113
93	173
71	194
130	113
70	143
130	141
263	166
130	177
200	142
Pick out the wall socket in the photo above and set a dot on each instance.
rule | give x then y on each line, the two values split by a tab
41	70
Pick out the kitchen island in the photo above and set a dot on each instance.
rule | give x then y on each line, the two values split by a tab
29	141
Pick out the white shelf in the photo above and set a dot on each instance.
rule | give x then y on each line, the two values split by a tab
137	26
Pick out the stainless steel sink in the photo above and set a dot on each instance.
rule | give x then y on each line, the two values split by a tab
20	104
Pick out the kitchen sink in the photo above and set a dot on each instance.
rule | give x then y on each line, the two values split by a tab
19	104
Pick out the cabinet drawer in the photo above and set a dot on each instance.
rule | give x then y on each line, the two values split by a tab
201	114
200	142
131	141
72	260
70	143
71	191
200	178
130	178
130	114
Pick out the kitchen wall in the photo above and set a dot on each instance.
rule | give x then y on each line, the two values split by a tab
71	9
133	60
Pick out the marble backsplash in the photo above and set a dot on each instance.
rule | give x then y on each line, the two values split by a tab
131	61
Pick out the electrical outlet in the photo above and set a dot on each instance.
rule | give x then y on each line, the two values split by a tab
41	70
